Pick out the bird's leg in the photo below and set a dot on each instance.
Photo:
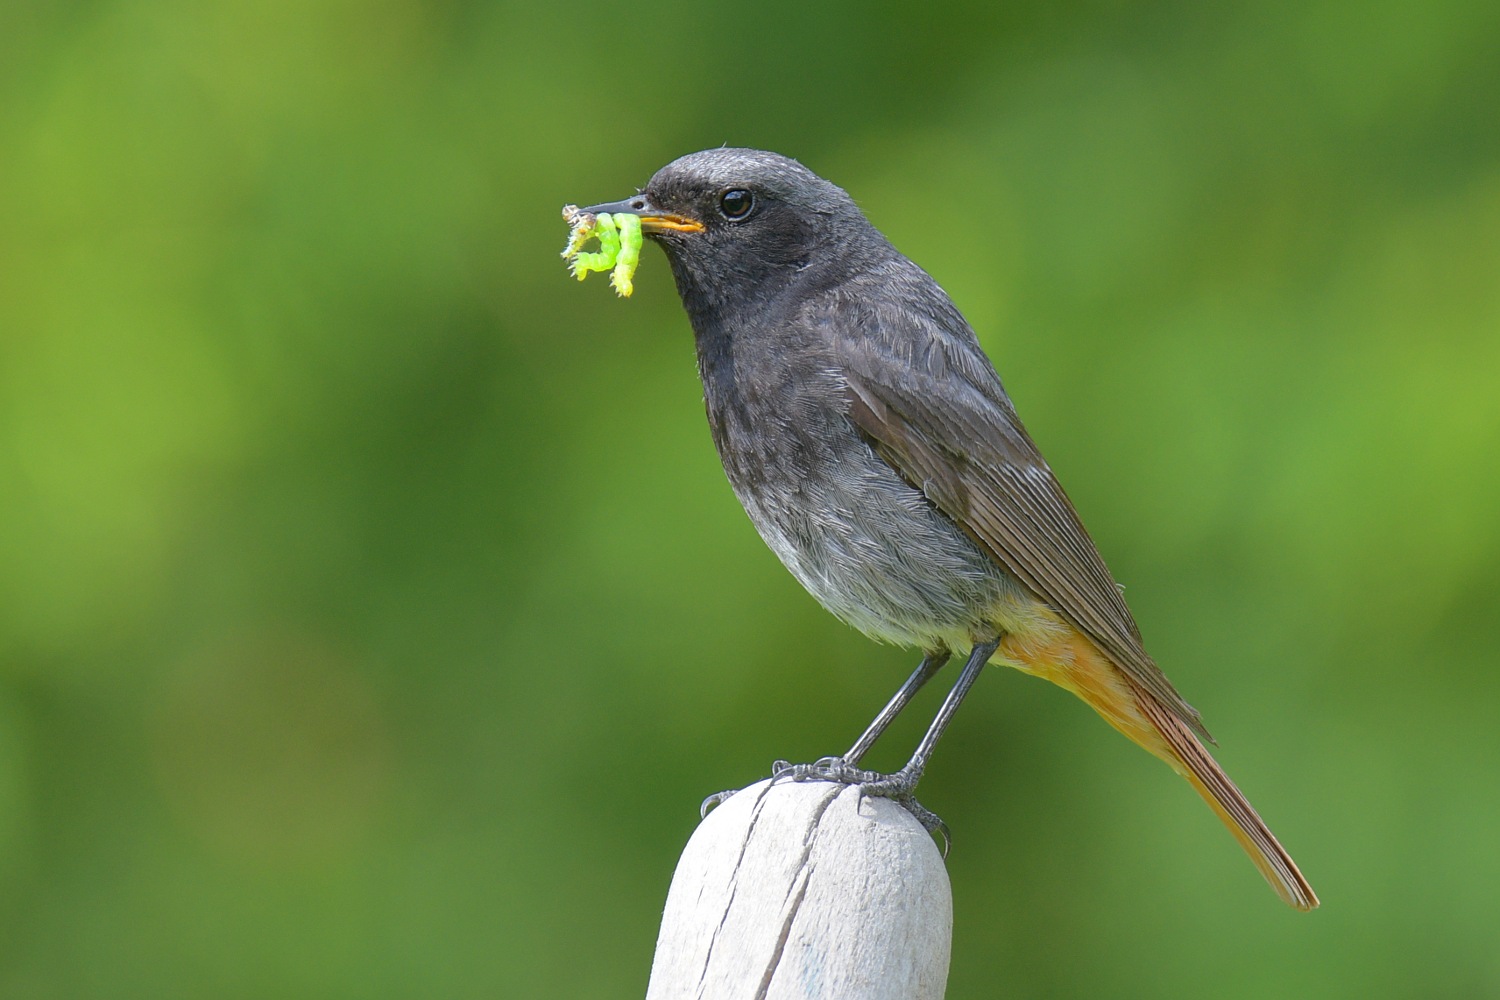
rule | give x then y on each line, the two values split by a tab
848	764
926	670
845	769
903	783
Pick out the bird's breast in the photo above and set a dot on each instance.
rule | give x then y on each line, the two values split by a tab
868	546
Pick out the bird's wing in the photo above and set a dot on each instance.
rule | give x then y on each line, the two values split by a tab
928	400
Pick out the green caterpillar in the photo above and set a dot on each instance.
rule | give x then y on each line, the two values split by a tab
619	250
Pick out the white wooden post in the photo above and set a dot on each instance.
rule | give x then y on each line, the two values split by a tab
802	890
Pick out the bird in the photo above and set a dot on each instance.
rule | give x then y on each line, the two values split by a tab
876	451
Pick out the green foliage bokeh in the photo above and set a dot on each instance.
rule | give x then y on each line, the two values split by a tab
373	612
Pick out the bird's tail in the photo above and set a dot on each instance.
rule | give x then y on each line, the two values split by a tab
1188	758
1075	663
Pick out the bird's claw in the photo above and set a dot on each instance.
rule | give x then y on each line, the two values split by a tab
716	799
931	821
898	787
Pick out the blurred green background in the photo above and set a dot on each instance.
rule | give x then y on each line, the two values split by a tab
373	611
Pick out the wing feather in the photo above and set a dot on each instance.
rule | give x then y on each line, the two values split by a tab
923	393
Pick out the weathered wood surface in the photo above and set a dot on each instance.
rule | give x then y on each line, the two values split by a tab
793	891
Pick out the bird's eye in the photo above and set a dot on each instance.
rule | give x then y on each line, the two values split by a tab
736	204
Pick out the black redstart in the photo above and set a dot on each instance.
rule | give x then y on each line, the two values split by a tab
873	446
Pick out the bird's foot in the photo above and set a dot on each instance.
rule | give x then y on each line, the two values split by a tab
835	769
898	787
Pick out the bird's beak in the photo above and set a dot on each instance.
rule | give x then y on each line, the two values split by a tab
652	220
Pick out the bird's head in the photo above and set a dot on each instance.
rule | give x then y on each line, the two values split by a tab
739	224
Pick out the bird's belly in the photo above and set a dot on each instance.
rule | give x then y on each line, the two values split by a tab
876	553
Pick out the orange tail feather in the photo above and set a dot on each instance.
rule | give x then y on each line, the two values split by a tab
1070	660
1193	762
